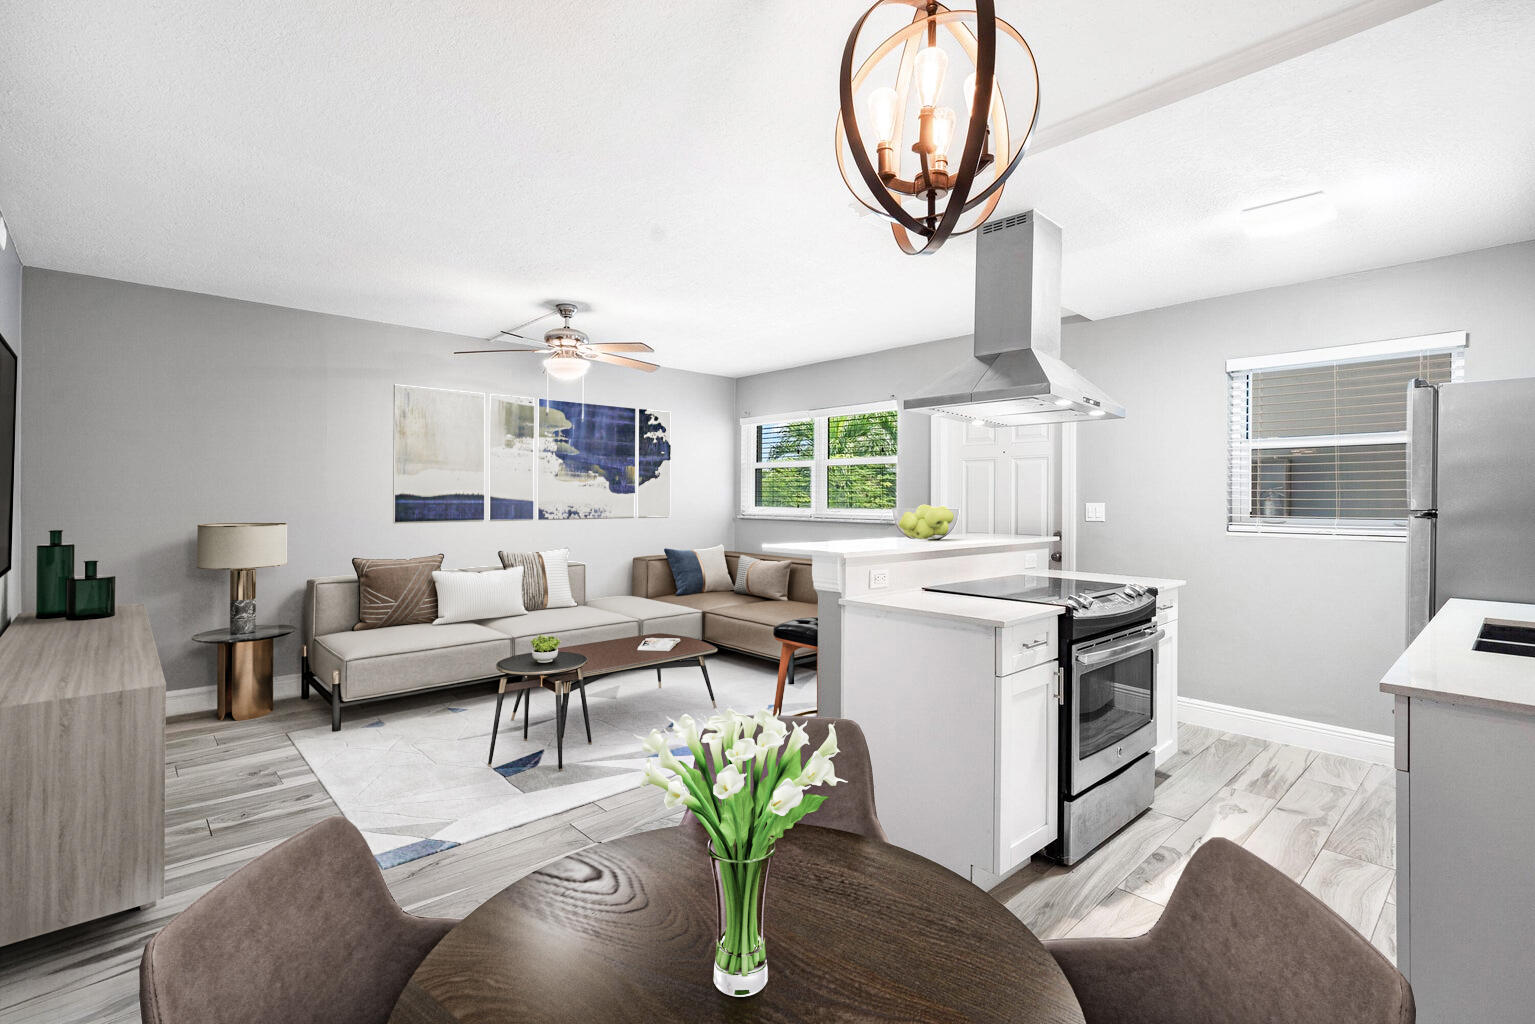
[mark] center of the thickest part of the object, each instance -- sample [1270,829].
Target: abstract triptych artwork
[462,455]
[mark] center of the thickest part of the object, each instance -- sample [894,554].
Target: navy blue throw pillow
[686,572]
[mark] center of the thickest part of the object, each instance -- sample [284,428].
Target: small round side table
[536,674]
[245,669]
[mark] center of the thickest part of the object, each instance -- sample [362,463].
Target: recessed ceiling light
[1288,216]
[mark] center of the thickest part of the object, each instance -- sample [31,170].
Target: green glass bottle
[55,566]
[93,597]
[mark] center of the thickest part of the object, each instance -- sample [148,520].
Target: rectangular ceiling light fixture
[1288,216]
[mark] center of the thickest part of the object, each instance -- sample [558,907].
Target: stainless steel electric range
[1108,645]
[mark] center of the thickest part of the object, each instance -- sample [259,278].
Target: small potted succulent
[545,649]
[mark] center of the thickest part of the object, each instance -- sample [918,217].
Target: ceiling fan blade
[502,351]
[620,346]
[633,364]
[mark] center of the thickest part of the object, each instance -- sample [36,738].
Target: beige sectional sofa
[352,666]
[735,621]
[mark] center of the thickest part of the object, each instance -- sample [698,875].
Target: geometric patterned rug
[416,782]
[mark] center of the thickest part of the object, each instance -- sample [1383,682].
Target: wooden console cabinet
[82,771]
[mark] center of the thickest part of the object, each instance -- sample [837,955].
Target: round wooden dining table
[857,930]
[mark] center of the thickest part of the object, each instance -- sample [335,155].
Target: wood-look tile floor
[236,789]
[1328,822]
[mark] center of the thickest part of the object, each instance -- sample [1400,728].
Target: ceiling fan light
[566,367]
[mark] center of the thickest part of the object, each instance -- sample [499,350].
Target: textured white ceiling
[453,165]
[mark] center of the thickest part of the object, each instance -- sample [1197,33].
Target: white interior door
[1001,479]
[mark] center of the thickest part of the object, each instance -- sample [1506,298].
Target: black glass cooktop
[1038,589]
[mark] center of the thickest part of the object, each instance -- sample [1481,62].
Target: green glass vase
[55,567]
[94,597]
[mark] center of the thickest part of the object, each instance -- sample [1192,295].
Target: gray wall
[155,410]
[1299,626]
[10,328]
[899,372]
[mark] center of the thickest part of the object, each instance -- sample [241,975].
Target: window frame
[818,464]
[1239,430]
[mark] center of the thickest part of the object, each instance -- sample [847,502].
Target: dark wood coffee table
[608,656]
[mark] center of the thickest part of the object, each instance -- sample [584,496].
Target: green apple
[942,528]
[924,529]
[908,522]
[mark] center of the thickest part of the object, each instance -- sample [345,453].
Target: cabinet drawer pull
[1164,607]
[1036,643]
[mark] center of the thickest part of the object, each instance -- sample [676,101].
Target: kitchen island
[1465,815]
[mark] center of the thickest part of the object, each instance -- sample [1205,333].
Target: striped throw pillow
[557,592]
[534,591]
[395,591]
[470,596]
[763,577]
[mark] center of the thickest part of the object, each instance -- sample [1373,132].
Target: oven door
[1111,705]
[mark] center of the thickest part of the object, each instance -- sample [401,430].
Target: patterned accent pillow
[763,577]
[534,589]
[699,571]
[395,591]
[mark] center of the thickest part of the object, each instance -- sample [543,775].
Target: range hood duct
[1016,375]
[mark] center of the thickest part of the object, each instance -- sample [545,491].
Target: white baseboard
[205,698]
[1374,747]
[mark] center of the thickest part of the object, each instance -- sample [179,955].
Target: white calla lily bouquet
[746,786]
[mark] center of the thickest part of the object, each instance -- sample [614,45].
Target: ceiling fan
[568,352]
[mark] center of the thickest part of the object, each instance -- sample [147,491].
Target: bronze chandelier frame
[935,180]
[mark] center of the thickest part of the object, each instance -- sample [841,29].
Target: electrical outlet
[1097,512]
[879,579]
[1030,560]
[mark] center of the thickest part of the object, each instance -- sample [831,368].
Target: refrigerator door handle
[1420,571]
[1422,448]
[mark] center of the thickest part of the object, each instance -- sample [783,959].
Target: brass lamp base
[245,679]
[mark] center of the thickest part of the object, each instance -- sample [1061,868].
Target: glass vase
[740,892]
[55,567]
[94,597]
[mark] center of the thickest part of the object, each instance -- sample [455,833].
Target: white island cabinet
[959,699]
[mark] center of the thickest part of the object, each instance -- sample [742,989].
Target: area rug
[415,780]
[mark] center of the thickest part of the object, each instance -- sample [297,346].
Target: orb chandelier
[957,177]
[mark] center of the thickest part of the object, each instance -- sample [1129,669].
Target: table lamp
[242,548]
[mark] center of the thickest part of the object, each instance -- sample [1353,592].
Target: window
[1318,440]
[832,464]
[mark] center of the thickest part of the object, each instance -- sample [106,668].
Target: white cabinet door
[1028,768]
[1167,692]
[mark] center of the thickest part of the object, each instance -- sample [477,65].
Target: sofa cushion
[582,624]
[396,591]
[707,602]
[767,613]
[396,659]
[655,616]
[749,627]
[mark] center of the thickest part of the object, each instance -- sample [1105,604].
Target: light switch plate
[1097,512]
[879,579]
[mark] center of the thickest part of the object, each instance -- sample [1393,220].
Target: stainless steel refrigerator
[1471,494]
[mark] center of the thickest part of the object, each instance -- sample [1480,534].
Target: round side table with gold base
[245,670]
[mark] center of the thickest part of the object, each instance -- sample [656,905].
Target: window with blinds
[833,464]
[1318,440]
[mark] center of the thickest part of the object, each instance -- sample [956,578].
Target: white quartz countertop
[1441,665]
[983,611]
[1114,577]
[897,547]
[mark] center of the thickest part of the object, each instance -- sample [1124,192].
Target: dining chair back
[1239,943]
[850,804]
[307,933]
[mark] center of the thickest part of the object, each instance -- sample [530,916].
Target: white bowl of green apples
[926,522]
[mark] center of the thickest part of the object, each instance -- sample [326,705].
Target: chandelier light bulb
[882,105]
[929,67]
[565,368]
[943,132]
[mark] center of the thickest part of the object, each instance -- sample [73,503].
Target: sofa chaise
[352,666]
[739,622]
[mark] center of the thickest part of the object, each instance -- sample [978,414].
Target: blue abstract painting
[653,465]
[512,447]
[439,454]
[586,461]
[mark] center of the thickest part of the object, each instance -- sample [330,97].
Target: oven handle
[1145,642]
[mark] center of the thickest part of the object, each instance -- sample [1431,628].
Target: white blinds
[1319,445]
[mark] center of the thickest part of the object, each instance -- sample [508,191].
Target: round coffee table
[531,676]
[857,930]
[245,669]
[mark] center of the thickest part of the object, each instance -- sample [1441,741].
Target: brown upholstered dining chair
[1239,943]
[851,804]
[307,933]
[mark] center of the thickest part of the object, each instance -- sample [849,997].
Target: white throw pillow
[469,596]
[557,578]
[711,562]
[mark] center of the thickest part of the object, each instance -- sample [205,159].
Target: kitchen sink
[1504,636]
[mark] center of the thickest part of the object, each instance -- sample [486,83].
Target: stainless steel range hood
[1016,375]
